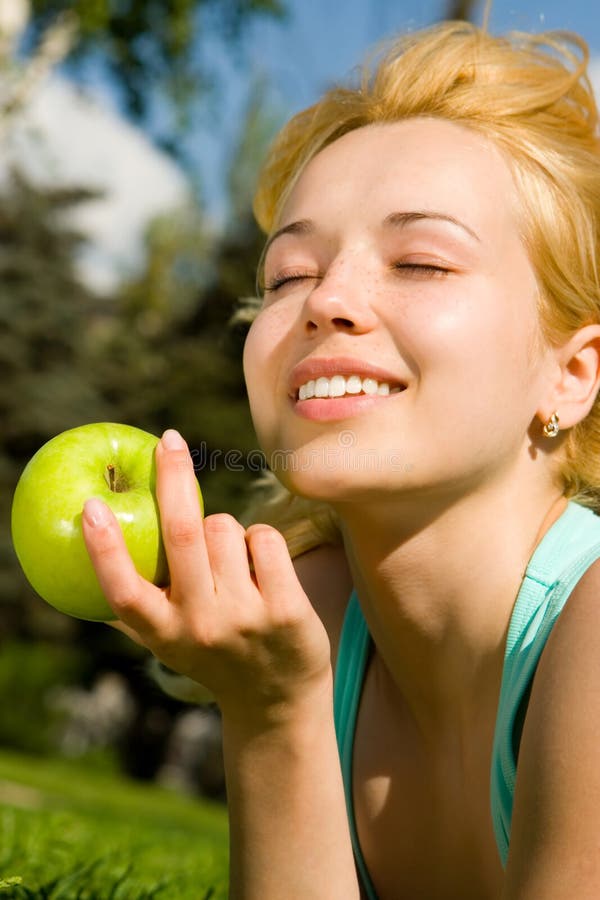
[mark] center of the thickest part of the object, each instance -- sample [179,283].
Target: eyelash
[422,269]
[279,280]
[418,269]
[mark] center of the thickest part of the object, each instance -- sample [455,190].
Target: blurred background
[130,137]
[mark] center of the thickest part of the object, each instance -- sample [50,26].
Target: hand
[234,618]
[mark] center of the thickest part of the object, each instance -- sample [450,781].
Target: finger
[273,568]
[228,554]
[181,519]
[139,604]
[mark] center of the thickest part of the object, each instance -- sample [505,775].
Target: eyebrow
[401,219]
[393,220]
[302,226]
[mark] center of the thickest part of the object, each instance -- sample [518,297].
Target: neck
[437,581]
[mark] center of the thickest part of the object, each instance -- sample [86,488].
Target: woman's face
[398,262]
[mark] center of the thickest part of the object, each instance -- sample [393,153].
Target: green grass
[68,833]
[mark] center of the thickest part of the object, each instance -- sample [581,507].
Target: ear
[578,381]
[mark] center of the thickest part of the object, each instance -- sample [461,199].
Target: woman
[422,374]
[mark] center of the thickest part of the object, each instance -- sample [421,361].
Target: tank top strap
[352,659]
[565,552]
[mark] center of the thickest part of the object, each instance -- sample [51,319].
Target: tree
[166,354]
[150,47]
[45,314]
[158,354]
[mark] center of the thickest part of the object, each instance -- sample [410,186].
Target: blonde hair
[530,94]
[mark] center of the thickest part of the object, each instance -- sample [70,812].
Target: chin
[320,488]
[344,485]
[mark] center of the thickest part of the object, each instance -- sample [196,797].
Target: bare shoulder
[325,577]
[556,817]
[585,597]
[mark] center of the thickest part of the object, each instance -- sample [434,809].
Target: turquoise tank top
[565,552]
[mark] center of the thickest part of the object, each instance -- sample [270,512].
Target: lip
[336,409]
[326,367]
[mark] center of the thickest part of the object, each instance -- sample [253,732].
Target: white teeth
[322,387]
[307,391]
[339,385]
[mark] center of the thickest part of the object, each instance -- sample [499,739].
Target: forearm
[288,825]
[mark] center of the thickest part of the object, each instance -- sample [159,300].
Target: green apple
[106,460]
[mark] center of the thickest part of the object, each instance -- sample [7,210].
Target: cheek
[476,346]
[254,375]
[258,351]
[249,356]
[263,364]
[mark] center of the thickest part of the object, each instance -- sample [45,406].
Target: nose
[339,305]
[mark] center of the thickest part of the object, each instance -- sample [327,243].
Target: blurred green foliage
[46,385]
[159,353]
[29,671]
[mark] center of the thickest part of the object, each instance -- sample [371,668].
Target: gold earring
[551,428]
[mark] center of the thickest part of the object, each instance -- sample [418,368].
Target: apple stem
[115,479]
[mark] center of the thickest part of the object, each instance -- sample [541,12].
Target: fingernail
[172,440]
[96,512]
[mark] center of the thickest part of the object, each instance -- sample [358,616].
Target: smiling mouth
[345,386]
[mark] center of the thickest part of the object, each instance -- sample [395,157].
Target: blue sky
[322,40]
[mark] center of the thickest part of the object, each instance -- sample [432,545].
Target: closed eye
[421,270]
[278,281]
